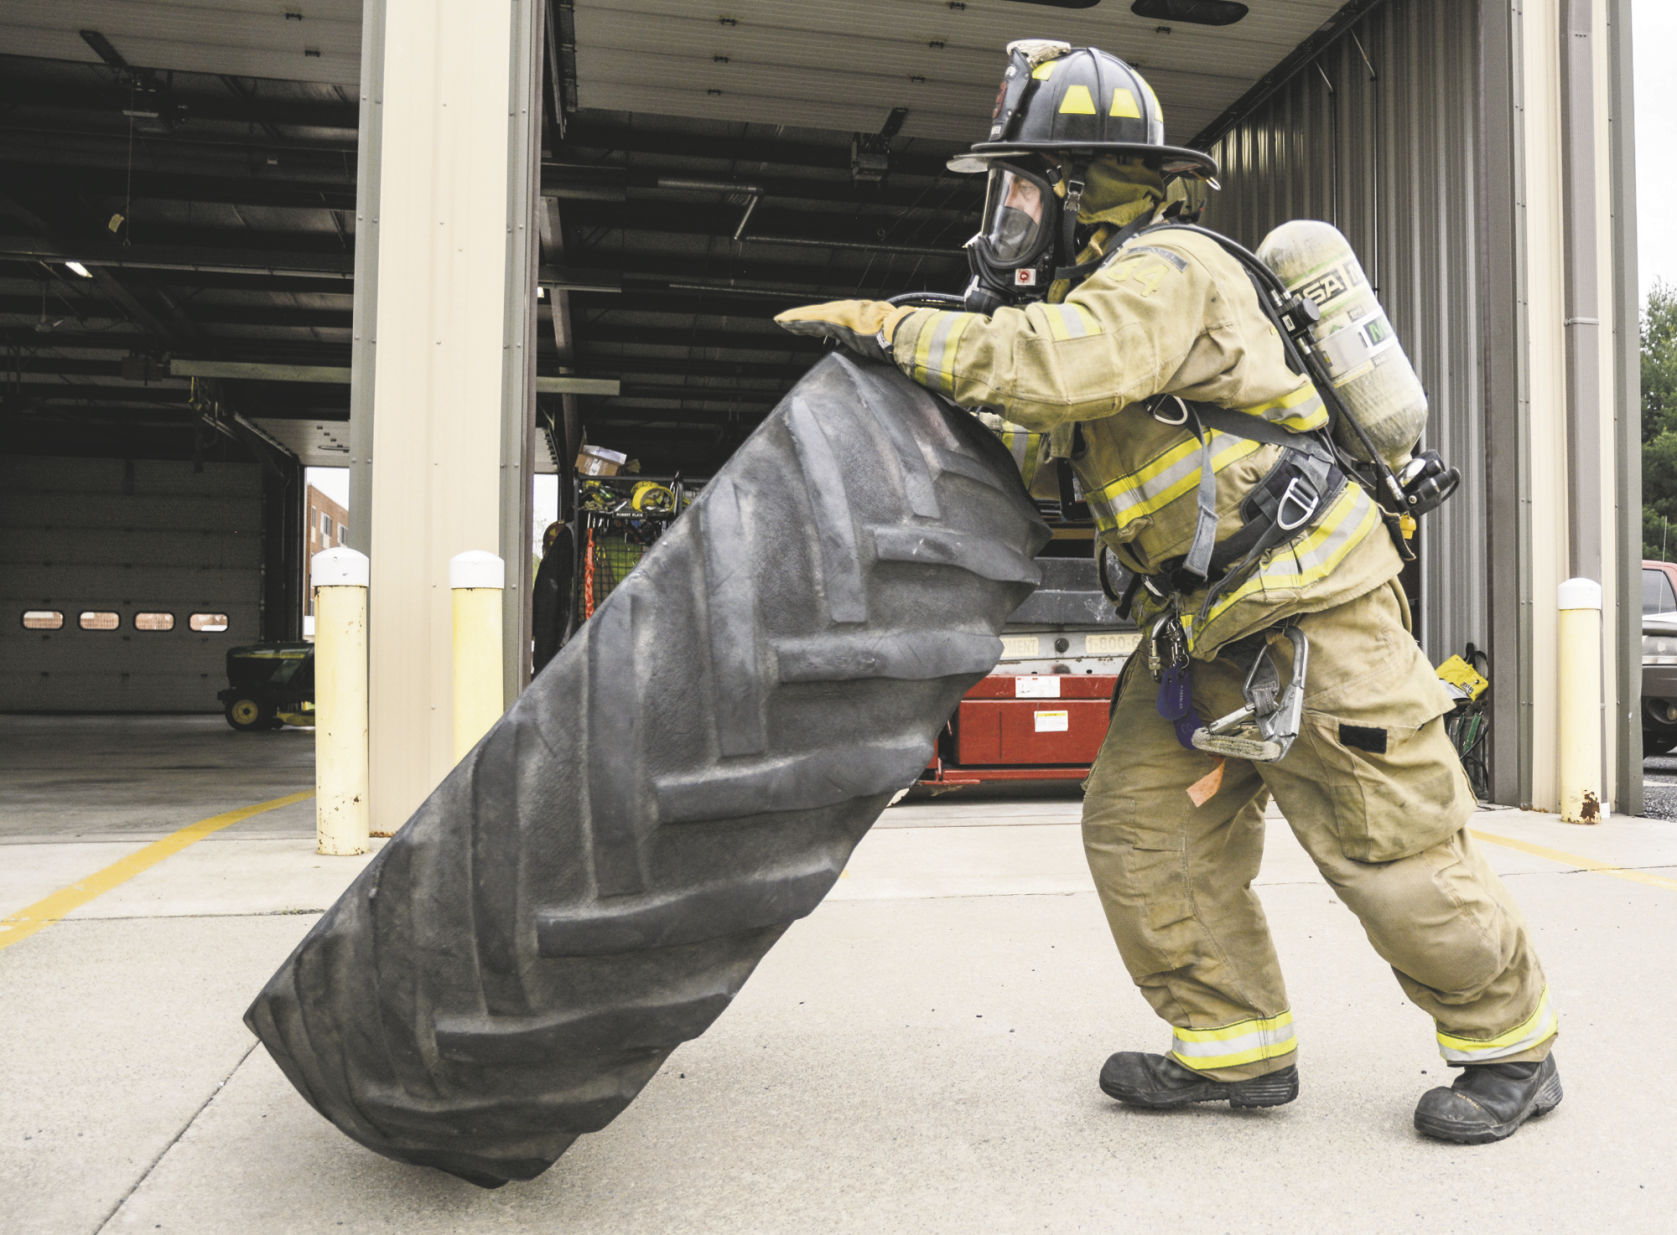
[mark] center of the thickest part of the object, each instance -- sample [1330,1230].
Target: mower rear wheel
[247,715]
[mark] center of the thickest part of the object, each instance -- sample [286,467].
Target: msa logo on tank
[1325,288]
[1363,331]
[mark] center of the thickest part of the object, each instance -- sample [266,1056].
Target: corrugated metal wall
[1379,135]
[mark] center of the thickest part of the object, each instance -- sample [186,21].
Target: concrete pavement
[919,1054]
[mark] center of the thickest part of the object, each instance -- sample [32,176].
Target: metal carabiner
[1181,406]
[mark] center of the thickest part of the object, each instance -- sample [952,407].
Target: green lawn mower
[269,685]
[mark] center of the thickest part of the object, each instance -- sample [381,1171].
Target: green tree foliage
[1659,422]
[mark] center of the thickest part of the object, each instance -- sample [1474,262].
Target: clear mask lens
[1013,216]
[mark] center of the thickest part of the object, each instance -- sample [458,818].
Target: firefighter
[550,594]
[1141,353]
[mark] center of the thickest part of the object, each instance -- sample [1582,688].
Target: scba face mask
[1014,253]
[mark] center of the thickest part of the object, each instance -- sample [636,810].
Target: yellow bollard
[477,579]
[341,817]
[1578,699]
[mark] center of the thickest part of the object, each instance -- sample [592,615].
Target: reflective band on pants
[1535,1029]
[1232,1045]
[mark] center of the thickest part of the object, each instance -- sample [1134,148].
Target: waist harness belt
[1303,484]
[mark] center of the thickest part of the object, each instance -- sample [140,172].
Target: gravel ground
[1659,787]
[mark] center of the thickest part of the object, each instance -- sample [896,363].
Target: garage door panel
[197,588]
[44,474]
[106,536]
[208,546]
[108,650]
[105,513]
[131,690]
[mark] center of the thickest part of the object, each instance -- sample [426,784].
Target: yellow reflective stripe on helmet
[1310,560]
[1124,104]
[1077,102]
[1158,112]
[1164,479]
[1044,70]
[1535,1029]
[1301,411]
[1069,321]
[1243,1042]
[934,350]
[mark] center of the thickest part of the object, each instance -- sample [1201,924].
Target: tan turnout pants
[1376,795]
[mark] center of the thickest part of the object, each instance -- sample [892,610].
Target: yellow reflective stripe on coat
[1301,411]
[1232,1045]
[934,350]
[1069,321]
[1535,1029]
[1163,479]
[1309,560]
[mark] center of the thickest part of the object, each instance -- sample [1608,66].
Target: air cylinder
[1366,362]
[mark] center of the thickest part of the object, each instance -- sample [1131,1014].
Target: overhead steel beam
[588,134]
[207,260]
[240,187]
[567,385]
[256,371]
[207,105]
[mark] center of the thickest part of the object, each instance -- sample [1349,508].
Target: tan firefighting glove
[863,326]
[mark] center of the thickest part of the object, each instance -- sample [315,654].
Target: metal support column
[1626,781]
[452,397]
[368,147]
[1504,344]
[518,398]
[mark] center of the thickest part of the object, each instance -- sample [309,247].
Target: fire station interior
[177,235]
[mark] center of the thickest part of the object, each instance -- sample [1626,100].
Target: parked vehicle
[269,685]
[1659,657]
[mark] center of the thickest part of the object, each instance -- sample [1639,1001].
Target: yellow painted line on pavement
[1573,859]
[43,913]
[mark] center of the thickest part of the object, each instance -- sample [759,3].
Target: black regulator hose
[929,300]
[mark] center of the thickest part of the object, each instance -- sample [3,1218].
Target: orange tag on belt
[1206,787]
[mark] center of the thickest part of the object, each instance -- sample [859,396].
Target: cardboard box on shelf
[598,461]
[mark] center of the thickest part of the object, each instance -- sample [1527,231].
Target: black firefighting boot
[1159,1083]
[1488,1101]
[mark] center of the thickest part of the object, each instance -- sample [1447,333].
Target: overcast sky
[1654,31]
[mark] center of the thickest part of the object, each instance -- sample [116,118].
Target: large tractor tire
[597,878]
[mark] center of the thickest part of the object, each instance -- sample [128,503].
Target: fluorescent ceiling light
[77,268]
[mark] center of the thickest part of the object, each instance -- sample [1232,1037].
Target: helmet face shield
[1015,210]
